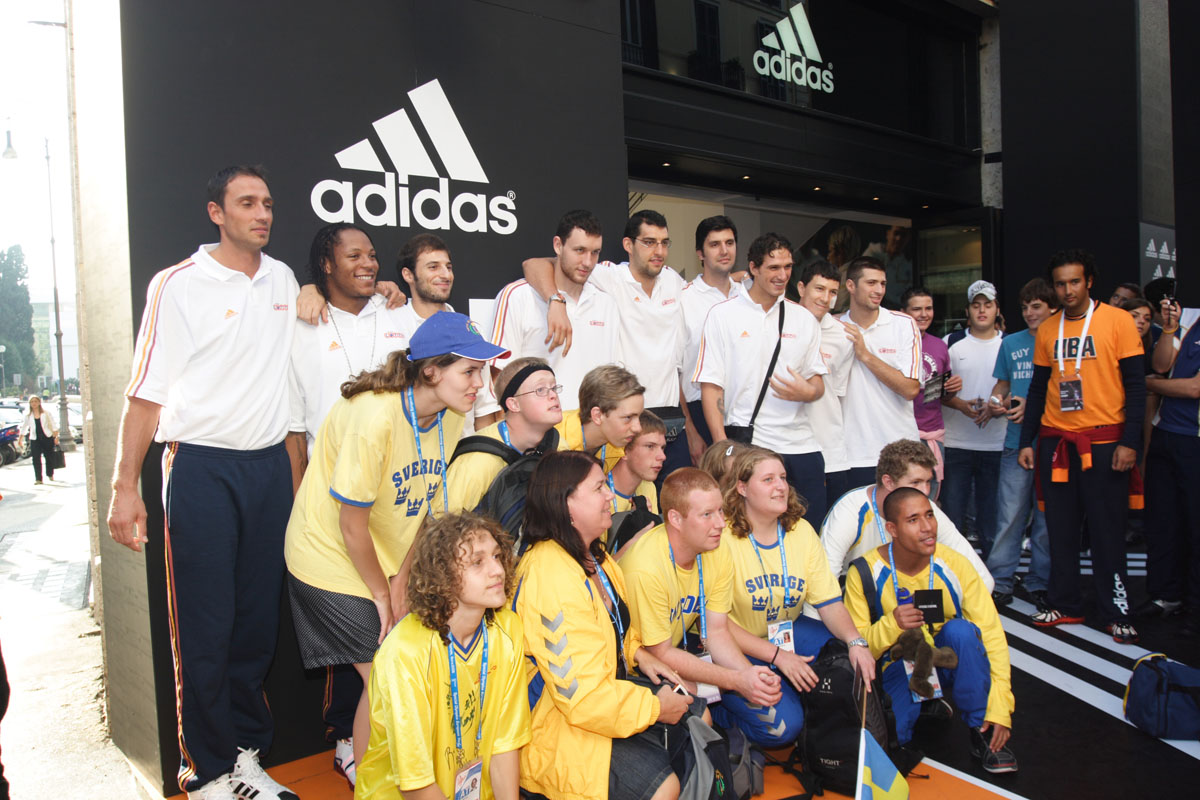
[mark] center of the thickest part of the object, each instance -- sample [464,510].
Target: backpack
[504,499]
[1163,698]
[747,763]
[704,763]
[828,743]
[626,524]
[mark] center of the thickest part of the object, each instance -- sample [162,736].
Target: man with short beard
[424,264]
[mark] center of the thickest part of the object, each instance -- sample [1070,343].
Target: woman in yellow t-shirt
[434,715]
[375,474]
[779,565]
[582,647]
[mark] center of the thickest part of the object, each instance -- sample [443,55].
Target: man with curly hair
[448,694]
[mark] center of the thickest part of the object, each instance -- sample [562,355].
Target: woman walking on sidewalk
[42,431]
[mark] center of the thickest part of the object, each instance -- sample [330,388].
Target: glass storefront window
[950,259]
[886,63]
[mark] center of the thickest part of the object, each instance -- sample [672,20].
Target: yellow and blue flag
[878,778]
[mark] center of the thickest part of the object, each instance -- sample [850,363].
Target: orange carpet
[313,778]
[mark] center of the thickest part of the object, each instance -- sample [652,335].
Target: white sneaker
[216,789]
[251,782]
[343,759]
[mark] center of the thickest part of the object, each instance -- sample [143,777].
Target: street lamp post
[3,376]
[67,442]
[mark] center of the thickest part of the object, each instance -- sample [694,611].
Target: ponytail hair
[397,374]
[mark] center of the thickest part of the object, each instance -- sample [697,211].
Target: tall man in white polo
[210,379]
[652,335]
[522,308]
[886,374]
[739,338]
[818,287]
[716,247]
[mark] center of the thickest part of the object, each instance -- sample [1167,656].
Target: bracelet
[557,296]
[774,656]
[1168,332]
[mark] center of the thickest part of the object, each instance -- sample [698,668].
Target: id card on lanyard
[468,781]
[706,690]
[1070,390]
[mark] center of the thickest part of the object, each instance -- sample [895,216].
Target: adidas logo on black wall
[796,58]
[390,203]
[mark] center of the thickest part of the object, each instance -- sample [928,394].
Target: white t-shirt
[849,531]
[651,332]
[697,300]
[973,360]
[735,349]
[825,415]
[875,415]
[326,355]
[213,350]
[409,320]
[520,325]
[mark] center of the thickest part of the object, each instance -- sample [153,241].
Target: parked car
[10,426]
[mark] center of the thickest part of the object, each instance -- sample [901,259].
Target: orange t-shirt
[1111,337]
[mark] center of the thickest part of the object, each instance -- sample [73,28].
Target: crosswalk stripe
[1087,634]
[1073,654]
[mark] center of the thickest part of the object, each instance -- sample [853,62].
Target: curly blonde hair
[740,471]
[435,581]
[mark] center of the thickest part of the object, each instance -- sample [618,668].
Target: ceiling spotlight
[816,188]
[925,206]
[874,198]
[745,177]
[666,163]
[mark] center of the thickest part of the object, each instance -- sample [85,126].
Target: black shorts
[639,766]
[332,628]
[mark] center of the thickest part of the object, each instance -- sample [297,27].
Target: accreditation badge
[780,635]
[468,782]
[1070,395]
[706,690]
[934,681]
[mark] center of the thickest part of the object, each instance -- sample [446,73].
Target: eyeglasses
[542,391]
[651,244]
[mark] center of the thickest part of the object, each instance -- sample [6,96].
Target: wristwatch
[559,296]
[859,642]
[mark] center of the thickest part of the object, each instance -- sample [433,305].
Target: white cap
[981,288]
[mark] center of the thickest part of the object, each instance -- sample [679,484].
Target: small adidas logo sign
[797,57]
[744,335]
[430,208]
[334,346]
[229,312]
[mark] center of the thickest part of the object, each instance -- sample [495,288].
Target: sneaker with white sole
[216,789]
[1122,632]
[251,782]
[343,760]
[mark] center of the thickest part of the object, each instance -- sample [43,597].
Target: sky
[33,106]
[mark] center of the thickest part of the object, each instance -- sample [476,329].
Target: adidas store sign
[796,57]
[393,202]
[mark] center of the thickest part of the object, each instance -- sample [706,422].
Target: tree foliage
[16,318]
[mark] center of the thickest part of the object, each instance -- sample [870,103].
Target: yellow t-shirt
[365,454]
[412,723]
[758,591]
[469,477]
[570,437]
[644,489]
[664,600]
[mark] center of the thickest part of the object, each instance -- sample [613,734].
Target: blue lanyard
[412,418]
[703,604]
[783,561]
[503,431]
[603,448]
[883,537]
[615,612]
[896,578]
[608,477]
[454,687]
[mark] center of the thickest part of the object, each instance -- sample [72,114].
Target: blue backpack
[1163,698]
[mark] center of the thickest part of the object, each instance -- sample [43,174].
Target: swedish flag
[878,778]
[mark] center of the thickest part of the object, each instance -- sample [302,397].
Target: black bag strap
[868,584]
[762,393]
[484,444]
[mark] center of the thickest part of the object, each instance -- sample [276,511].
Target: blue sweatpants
[226,514]
[777,725]
[967,685]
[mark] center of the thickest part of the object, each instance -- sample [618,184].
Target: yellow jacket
[570,647]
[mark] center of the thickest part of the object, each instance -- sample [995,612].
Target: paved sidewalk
[54,739]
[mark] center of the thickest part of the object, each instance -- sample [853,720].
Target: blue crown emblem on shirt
[402,495]
[414,506]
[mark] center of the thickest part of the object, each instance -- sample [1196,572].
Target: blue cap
[449,333]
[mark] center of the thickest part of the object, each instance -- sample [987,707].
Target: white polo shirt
[697,299]
[973,360]
[825,415]
[735,349]
[213,351]
[520,325]
[326,355]
[409,320]
[849,531]
[652,334]
[874,415]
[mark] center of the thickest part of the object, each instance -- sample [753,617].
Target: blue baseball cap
[455,334]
